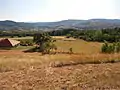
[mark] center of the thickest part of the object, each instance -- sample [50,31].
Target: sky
[56,10]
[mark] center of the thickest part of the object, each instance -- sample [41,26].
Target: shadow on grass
[72,63]
[5,48]
[32,50]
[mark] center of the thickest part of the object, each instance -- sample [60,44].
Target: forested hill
[79,24]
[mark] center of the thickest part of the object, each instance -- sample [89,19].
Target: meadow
[78,45]
[83,51]
[87,69]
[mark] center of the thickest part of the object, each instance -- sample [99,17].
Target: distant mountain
[79,24]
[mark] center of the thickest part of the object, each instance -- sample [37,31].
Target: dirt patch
[85,77]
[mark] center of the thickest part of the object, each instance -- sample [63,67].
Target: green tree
[45,42]
[118,47]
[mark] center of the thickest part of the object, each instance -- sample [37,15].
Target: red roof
[8,42]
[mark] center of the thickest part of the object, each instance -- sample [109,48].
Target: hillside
[31,71]
[79,24]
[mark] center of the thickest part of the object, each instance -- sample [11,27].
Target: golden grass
[86,52]
[19,38]
[85,59]
[79,46]
[19,70]
[58,37]
[17,59]
[30,37]
[23,71]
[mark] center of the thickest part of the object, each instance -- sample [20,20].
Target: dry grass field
[17,38]
[33,71]
[79,46]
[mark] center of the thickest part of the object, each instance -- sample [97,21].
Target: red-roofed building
[8,42]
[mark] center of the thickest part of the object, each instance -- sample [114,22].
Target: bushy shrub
[68,35]
[26,42]
[105,47]
[118,47]
[71,50]
[111,48]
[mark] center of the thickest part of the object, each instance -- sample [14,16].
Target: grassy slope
[79,46]
[23,71]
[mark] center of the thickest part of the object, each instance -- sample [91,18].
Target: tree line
[110,35]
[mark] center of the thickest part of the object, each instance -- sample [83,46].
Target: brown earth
[31,71]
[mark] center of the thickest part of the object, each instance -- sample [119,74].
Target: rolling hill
[79,24]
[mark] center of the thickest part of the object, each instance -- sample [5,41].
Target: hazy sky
[55,10]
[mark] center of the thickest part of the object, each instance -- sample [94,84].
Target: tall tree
[45,42]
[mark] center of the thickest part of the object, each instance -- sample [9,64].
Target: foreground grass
[15,59]
[87,70]
[23,71]
[89,59]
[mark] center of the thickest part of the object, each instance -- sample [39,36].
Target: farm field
[33,71]
[78,46]
[23,71]
[17,38]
